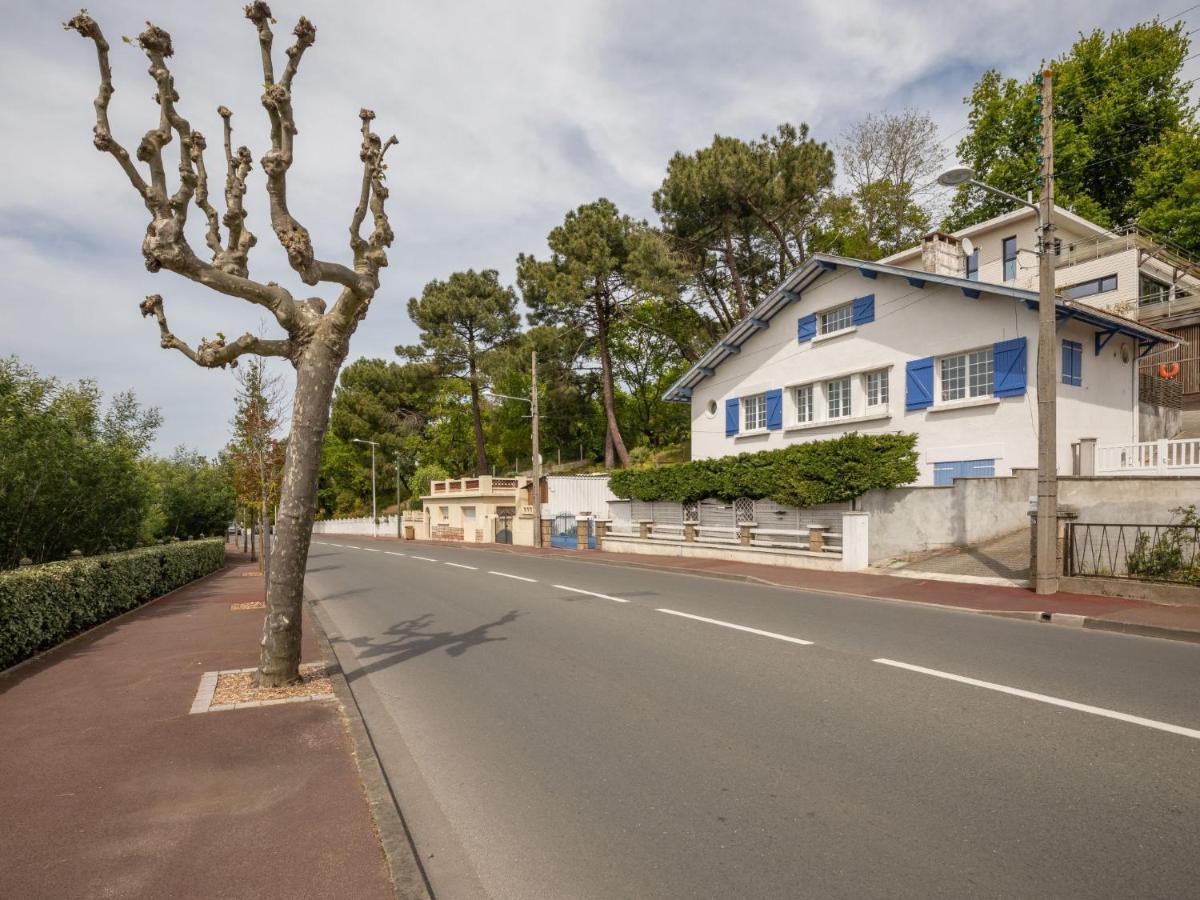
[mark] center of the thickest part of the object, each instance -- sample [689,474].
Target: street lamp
[374,516]
[1045,572]
[532,400]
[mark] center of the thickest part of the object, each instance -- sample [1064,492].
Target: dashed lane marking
[1044,698]
[746,628]
[563,587]
[424,558]
[461,566]
[394,553]
[515,577]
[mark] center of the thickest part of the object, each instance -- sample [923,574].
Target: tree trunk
[738,289]
[481,462]
[610,409]
[316,375]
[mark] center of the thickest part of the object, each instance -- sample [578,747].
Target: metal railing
[1168,553]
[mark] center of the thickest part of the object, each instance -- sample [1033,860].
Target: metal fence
[1145,552]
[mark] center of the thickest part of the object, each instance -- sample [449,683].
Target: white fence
[363,526]
[1167,457]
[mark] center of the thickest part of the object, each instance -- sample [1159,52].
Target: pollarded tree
[316,341]
[463,319]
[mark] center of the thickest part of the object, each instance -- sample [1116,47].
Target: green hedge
[41,606]
[800,475]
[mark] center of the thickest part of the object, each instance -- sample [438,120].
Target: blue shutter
[1008,372]
[806,327]
[864,309]
[775,409]
[732,409]
[918,388]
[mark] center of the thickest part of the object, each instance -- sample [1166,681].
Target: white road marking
[770,634]
[373,549]
[563,587]
[517,577]
[461,566]
[425,558]
[394,553]
[1044,698]
[351,547]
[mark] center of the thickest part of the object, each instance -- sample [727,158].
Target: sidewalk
[1104,613]
[112,789]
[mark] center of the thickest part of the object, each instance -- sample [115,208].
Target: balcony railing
[482,485]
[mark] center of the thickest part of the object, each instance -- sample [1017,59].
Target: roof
[1108,324]
[1059,213]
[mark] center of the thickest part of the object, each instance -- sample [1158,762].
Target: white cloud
[508,114]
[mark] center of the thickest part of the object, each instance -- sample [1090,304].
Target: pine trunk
[316,375]
[610,408]
[481,462]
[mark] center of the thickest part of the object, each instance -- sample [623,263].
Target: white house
[846,345]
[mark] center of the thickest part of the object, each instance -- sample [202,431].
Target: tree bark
[738,289]
[481,461]
[610,409]
[316,375]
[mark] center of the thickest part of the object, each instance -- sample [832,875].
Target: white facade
[967,429]
[582,496]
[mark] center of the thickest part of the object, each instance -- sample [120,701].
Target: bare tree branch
[235,259]
[102,132]
[212,354]
[212,235]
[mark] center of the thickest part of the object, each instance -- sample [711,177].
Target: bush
[810,474]
[41,606]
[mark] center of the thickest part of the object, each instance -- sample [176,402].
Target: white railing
[361,526]
[1166,457]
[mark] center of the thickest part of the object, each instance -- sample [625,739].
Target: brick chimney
[940,255]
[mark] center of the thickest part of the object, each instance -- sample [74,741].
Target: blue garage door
[944,473]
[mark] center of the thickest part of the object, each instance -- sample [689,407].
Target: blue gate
[563,533]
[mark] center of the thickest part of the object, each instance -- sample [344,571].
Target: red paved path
[111,789]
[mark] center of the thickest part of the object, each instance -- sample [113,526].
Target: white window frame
[755,404]
[837,319]
[845,395]
[881,378]
[978,376]
[806,411]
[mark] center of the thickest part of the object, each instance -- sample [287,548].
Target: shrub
[800,475]
[1174,556]
[41,606]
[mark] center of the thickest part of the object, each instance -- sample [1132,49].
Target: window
[754,412]
[837,397]
[712,408]
[805,411]
[966,376]
[445,511]
[1010,258]
[1072,363]
[837,319]
[1095,286]
[973,266]
[877,388]
[944,473]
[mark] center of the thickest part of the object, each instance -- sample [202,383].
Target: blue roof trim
[817,265]
[868,273]
[973,293]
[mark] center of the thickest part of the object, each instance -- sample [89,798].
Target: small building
[847,345]
[478,510]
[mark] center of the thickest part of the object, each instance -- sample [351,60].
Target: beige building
[478,509]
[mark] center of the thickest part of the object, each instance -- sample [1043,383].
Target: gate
[562,533]
[504,518]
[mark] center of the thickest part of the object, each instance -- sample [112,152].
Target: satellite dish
[967,247]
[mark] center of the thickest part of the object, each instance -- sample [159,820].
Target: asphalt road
[630,742]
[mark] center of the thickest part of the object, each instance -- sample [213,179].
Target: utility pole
[398,534]
[537,458]
[1046,575]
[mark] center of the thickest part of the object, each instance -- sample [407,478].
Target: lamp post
[374,516]
[1046,565]
[536,462]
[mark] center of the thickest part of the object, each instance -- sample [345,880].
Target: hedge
[832,471]
[41,606]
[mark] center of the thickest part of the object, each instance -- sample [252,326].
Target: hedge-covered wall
[832,471]
[41,606]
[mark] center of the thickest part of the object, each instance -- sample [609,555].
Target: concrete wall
[1157,423]
[911,323]
[363,526]
[913,520]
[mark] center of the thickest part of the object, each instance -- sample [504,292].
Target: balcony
[480,486]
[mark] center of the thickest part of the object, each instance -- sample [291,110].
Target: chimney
[940,255]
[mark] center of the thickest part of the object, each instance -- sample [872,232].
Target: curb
[1069,619]
[409,880]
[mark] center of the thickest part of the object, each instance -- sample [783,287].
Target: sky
[508,114]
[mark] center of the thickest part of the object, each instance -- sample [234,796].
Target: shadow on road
[412,638]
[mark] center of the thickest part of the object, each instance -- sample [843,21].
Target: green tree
[739,215]
[1167,192]
[1115,95]
[70,473]
[462,319]
[191,495]
[602,264]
